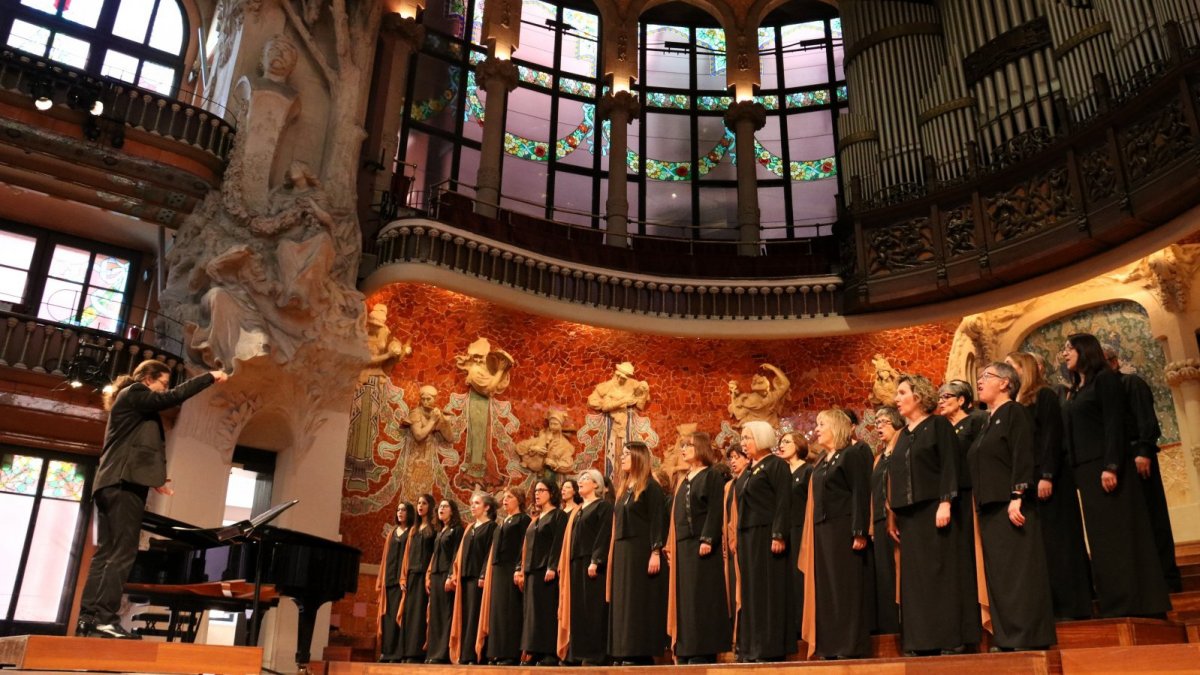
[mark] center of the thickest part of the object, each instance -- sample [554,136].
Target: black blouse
[967,430]
[1094,419]
[696,507]
[1001,460]
[800,479]
[508,540]
[841,486]
[592,532]
[879,479]
[642,517]
[476,542]
[924,464]
[766,497]
[1047,433]
[445,547]
[544,543]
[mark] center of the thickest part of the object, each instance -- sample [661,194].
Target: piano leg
[304,628]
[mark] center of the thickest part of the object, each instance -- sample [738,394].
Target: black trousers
[119,510]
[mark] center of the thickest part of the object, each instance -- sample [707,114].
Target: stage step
[1124,632]
[1122,660]
[49,652]
[1184,606]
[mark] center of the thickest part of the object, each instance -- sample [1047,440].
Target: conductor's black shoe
[84,626]
[114,631]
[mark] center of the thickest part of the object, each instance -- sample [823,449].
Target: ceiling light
[43,103]
[97,108]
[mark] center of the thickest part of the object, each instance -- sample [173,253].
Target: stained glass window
[138,41]
[64,480]
[85,289]
[16,256]
[19,474]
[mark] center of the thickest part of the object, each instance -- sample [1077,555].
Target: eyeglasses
[541,489]
[986,375]
[625,453]
[946,397]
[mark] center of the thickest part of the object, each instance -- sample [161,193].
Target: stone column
[401,37]
[1184,379]
[620,108]
[497,77]
[744,118]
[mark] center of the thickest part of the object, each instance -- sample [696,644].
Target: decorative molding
[1187,370]
[1025,39]
[405,30]
[743,111]
[901,246]
[1153,143]
[944,108]
[1040,203]
[1068,45]
[859,137]
[497,73]
[888,34]
[619,100]
[959,226]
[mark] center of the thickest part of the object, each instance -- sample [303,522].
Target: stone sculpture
[487,369]
[763,402]
[429,428]
[617,398]
[549,449]
[883,389]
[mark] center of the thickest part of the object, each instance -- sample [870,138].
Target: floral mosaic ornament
[63,481]
[19,474]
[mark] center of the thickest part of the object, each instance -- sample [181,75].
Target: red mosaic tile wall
[558,363]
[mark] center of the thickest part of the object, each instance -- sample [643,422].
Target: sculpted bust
[764,400]
[549,448]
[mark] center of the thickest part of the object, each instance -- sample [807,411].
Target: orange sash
[729,549]
[608,568]
[456,615]
[985,603]
[673,561]
[381,583]
[485,606]
[564,587]
[807,562]
[404,573]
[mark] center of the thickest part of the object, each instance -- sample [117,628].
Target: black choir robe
[506,605]
[1001,462]
[638,611]
[590,538]
[543,547]
[1126,568]
[468,598]
[765,628]
[701,607]
[390,595]
[967,430]
[441,601]
[413,626]
[887,612]
[800,479]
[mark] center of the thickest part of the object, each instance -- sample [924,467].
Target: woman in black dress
[736,458]
[922,486]
[1014,559]
[888,423]
[467,578]
[437,582]
[1057,499]
[503,600]
[538,575]
[570,498]
[840,600]
[583,605]
[765,631]
[388,584]
[793,449]
[956,401]
[699,624]
[637,617]
[1125,564]
[415,611]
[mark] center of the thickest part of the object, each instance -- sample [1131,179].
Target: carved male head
[428,395]
[555,419]
[279,58]
[624,371]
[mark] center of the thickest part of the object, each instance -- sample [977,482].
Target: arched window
[137,41]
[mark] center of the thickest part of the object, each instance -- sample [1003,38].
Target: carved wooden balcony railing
[89,356]
[1046,202]
[125,106]
[423,241]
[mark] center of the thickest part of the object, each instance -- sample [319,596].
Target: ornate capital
[621,100]
[1187,370]
[752,111]
[406,31]
[498,73]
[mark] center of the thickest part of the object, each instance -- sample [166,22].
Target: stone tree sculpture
[617,398]
[374,390]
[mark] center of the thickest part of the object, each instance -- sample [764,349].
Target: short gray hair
[1007,372]
[596,479]
[763,433]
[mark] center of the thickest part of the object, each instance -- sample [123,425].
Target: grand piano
[229,568]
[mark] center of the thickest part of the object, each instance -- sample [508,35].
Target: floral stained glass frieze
[19,474]
[64,481]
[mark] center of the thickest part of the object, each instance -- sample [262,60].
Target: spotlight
[75,384]
[42,90]
[82,98]
[97,108]
[43,103]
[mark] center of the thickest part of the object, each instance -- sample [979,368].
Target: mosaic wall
[557,365]
[1126,326]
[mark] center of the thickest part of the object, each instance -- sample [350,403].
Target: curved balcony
[1042,203]
[146,155]
[423,250]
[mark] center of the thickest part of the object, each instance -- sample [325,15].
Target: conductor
[133,461]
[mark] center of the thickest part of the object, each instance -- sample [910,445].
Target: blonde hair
[150,369]
[923,390]
[838,423]
[1031,376]
[639,469]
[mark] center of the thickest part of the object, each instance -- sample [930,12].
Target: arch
[760,9]
[722,12]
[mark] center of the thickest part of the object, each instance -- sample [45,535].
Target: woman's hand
[859,543]
[165,489]
[655,564]
[893,530]
[550,575]
[705,549]
[592,570]
[778,546]
[943,515]
[427,585]
[1108,481]
[1014,512]
[450,585]
[1045,489]
[480,582]
[519,580]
